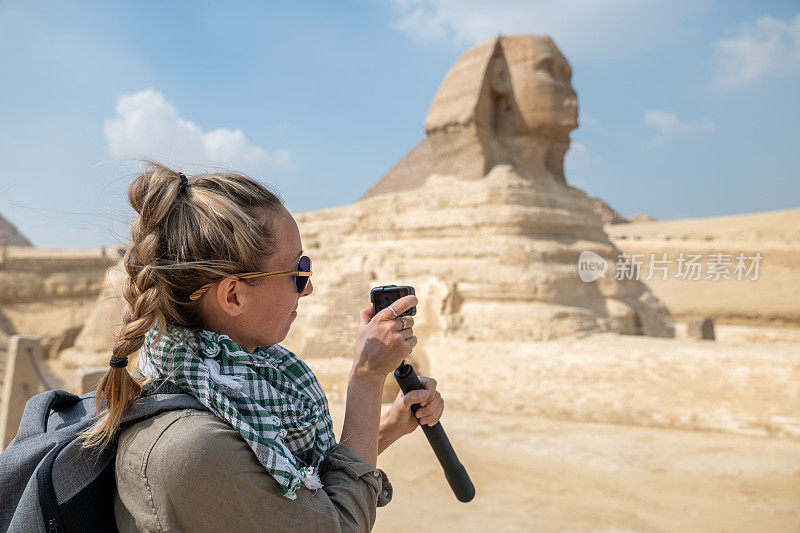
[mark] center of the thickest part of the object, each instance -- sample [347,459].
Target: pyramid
[10,235]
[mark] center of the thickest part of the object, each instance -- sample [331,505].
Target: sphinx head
[540,81]
[506,101]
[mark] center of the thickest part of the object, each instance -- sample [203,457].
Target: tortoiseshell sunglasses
[301,276]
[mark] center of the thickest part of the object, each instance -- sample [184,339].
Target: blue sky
[687,108]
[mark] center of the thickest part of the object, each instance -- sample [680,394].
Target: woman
[215,271]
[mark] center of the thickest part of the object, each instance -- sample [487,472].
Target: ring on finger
[392,310]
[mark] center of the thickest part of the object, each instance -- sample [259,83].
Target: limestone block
[63,340]
[89,376]
[95,340]
[700,328]
[101,328]
[23,379]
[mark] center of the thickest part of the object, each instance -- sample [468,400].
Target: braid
[142,292]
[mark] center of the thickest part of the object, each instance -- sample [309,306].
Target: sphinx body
[480,218]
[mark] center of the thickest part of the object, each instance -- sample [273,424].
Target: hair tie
[118,362]
[184,181]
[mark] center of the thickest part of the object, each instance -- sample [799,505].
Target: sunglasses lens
[303,266]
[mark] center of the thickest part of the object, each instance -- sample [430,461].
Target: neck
[539,158]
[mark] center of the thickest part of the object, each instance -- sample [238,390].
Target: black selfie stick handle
[454,471]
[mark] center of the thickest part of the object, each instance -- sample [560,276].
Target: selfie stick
[454,471]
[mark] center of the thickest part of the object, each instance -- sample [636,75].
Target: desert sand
[772,299]
[613,433]
[534,474]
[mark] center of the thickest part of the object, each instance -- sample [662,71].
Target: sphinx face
[541,83]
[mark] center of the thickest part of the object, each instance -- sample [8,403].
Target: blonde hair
[187,232]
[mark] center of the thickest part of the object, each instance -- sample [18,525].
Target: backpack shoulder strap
[158,397]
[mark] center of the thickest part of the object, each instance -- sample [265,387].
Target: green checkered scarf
[269,396]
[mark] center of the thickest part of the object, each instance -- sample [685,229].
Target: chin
[279,338]
[268,341]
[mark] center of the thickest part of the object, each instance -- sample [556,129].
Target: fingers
[414,396]
[400,306]
[365,315]
[404,322]
[410,343]
[426,397]
[430,386]
[382,341]
[431,403]
[432,412]
[432,407]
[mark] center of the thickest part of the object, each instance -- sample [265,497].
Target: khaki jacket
[188,470]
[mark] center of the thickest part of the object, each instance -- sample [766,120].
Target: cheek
[281,308]
[275,309]
[265,313]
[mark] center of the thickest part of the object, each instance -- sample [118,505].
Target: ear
[229,296]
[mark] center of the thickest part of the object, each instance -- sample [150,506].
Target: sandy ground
[533,474]
[611,433]
[780,226]
[738,334]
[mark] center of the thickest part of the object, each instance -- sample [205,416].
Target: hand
[383,341]
[400,420]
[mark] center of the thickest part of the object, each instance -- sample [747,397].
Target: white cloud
[147,125]
[612,28]
[420,23]
[669,125]
[764,48]
[588,121]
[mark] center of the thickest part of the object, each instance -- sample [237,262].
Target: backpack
[49,482]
